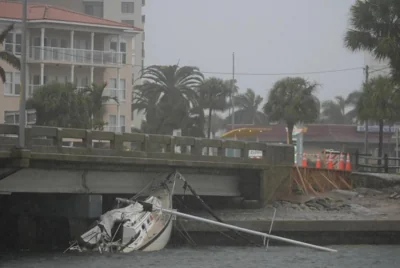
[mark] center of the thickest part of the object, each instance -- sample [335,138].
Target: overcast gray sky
[267,36]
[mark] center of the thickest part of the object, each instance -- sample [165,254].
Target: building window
[122,88]
[94,9]
[122,122]
[143,18]
[112,122]
[115,92]
[12,86]
[144,36]
[122,49]
[18,44]
[127,7]
[12,117]
[9,43]
[12,43]
[130,22]
[143,2]
[89,9]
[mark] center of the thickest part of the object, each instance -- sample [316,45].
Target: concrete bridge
[106,163]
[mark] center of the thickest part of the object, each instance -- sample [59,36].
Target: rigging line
[214,72]
[207,208]
[215,228]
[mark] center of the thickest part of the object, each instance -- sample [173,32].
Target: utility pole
[232,91]
[22,100]
[366,69]
[232,99]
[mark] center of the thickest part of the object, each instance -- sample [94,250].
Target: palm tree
[292,100]
[352,101]
[169,92]
[217,123]
[213,95]
[375,28]
[248,113]
[7,56]
[96,103]
[60,105]
[379,101]
[194,123]
[336,111]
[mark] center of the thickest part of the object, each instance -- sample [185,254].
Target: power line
[377,70]
[294,73]
[224,73]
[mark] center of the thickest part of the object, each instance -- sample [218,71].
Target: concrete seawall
[329,232]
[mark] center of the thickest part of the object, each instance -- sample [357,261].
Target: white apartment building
[67,46]
[125,11]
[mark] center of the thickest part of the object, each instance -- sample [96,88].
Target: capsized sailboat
[133,225]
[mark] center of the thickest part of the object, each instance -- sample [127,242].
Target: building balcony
[76,56]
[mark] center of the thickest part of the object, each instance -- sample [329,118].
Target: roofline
[126,29]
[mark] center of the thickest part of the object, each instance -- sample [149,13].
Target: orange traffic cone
[318,163]
[341,162]
[330,161]
[348,164]
[304,160]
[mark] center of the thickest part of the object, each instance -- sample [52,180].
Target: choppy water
[226,257]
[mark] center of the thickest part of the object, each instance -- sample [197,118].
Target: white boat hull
[133,227]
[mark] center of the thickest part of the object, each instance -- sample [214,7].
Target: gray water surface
[225,257]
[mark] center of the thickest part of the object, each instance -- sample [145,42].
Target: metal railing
[369,163]
[59,54]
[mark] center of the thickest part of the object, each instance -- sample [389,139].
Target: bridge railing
[89,142]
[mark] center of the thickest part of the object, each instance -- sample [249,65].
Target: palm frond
[2,75]
[5,32]
[10,59]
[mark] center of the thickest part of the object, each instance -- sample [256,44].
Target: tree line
[173,97]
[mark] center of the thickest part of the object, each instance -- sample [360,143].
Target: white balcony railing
[59,54]
[120,94]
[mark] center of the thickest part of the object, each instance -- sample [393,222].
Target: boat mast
[229,226]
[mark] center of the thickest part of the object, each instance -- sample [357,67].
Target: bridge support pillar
[274,181]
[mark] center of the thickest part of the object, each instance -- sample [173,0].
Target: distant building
[125,11]
[67,46]
[318,137]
